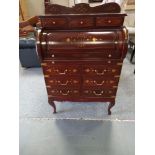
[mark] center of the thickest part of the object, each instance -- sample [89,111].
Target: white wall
[36,7]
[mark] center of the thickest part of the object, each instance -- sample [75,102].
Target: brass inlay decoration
[87,81]
[94,39]
[109,62]
[74,70]
[87,70]
[52,55]
[46,76]
[43,43]
[81,22]
[116,42]
[48,86]
[49,70]
[114,86]
[75,81]
[86,91]
[119,64]
[113,70]
[43,64]
[113,96]
[53,62]
[111,81]
[75,91]
[109,21]
[52,91]
[126,33]
[109,55]
[68,39]
[54,22]
[117,76]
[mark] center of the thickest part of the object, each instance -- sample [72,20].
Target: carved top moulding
[81,8]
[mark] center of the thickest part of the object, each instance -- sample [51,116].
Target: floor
[77,129]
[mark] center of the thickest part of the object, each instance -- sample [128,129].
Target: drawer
[63,92]
[99,93]
[61,82]
[100,54]
[101,82]
[81,22]
[61,70]
[109,21]
[101,70]
[54,22]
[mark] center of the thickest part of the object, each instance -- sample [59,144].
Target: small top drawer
[109,21]
[81,22]
[54,22]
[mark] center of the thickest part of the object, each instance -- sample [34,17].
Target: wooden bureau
[82,53]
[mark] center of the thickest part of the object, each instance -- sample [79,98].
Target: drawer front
[99,93]
[109,21]
[101,70]
[61,70]
[61,82]
[103,63]
[81,22]
[54,22]
[54,55]
[100,82]
[63,92]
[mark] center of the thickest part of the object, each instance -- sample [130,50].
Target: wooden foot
[54,107]
[110,106]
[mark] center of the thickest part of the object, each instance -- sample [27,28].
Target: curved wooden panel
[81,8]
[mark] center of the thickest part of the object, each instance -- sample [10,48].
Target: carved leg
[110,106]
[54,107]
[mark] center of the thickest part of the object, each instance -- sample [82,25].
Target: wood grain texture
[81,8]
[82,54]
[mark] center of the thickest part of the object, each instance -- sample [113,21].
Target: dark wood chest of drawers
[82,55]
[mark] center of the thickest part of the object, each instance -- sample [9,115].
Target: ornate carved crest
[81,8]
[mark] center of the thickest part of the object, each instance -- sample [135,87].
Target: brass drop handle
[99,84]
[64,93]
[98,94]
[96,71]
[62,73]
[63,84]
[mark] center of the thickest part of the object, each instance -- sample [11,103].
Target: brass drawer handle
[99,84]
[102,73]
[61,73]
[64,93]
[63,84]
[98,94]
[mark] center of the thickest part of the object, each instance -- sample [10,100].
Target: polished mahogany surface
[82,54]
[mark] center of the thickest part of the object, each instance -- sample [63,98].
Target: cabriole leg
[110,106]
[54,107]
